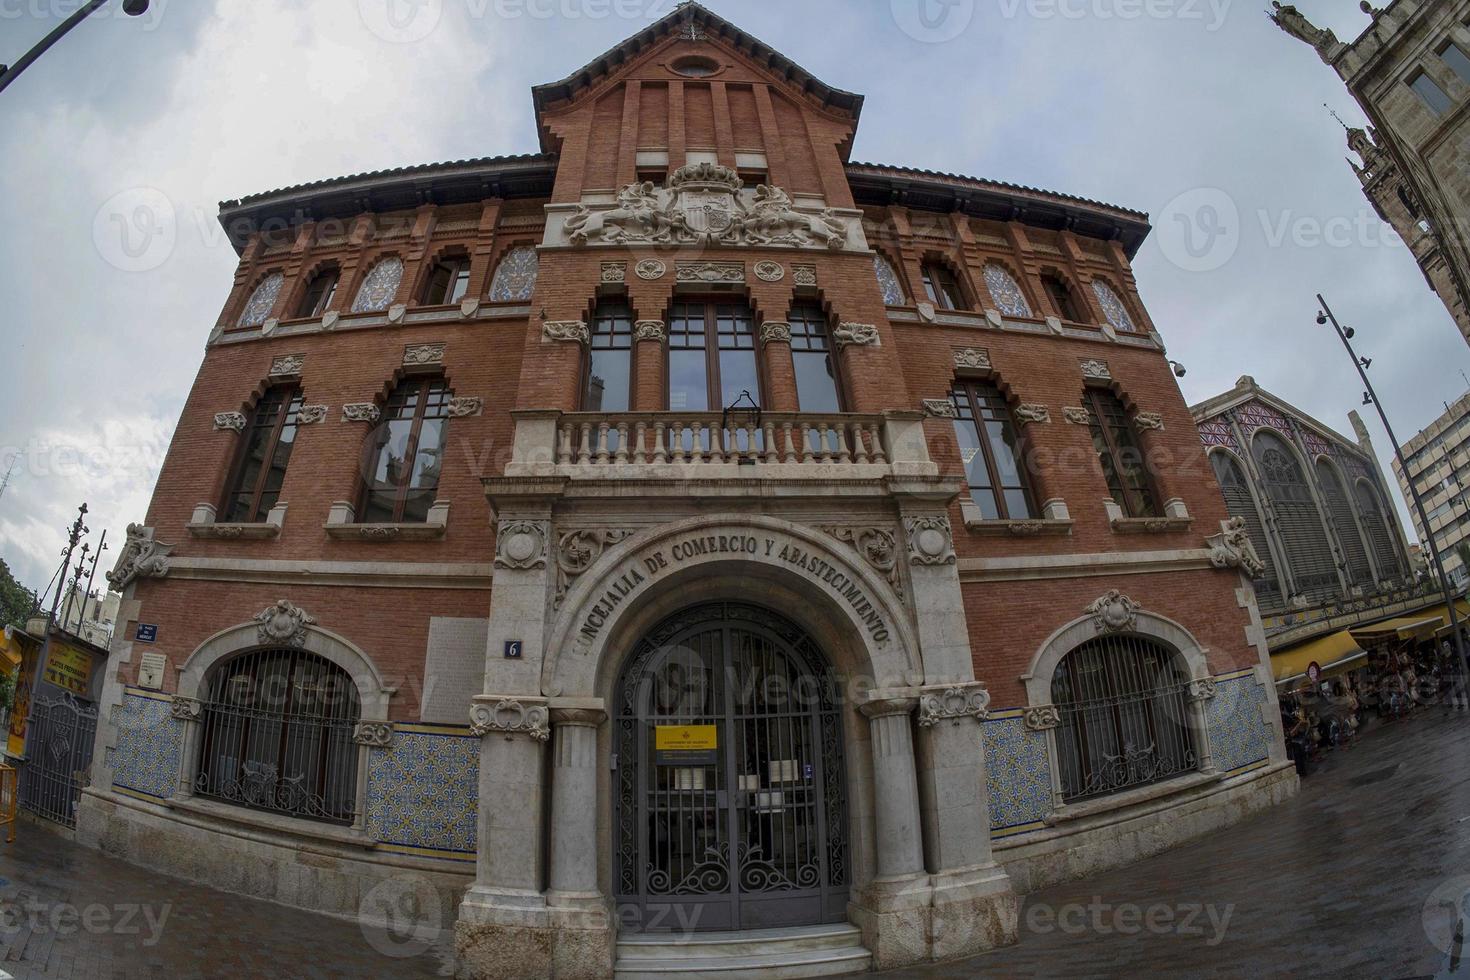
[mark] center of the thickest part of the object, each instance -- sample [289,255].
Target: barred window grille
[1376,525]
[1124,709]
[276,735]
[1298,520]
[1358,569]
[1240,503]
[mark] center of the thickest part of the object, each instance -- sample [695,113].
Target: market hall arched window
[711,356]
[276,734]
[991,451]
[941,286]
[1118,450]
[1240,503]
[1376,525]
[260,468]
[1298,521]
[316,299]
[608,386]
[1124,716]
[1358,569]
[405,453]
[817,388]
[447,282]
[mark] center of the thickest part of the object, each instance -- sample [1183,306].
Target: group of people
[1326,714]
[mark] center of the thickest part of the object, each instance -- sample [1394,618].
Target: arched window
[1240,503]
[991,451]
[1005,291]
[888,281]
[609,382]
[447,282]
[515,276]
[317,298]
[1125,716]
[1061,297]
[941,288]
[817,389]
[1112,307]
[1116,443]
[405,453]
[711,355]
[276,734]
[380,286]
[260,469]
[262,301]
[1358,569]
[1380,538]
[1298,521]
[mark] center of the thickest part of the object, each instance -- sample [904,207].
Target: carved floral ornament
[229,421]
[1077,415]
[311,414]
[650,269]
[954,704]
[930,540]
[576,551]
[804,275]
[421,354]
[768,271]
[1113,612]
[361,412]
[521,544]
[572,331]
[186,709]
[715,272]
[1041,717]
[614,272]
[702,204]
[1232,548]
[974,358]
[1027,414]
[878,547]
[510,717]
[464,406]
[650,330]
[856,335]
[1097,370]
[377,734]
[288,366]
[1148,420]
[284,623]
[141,557]
[940,408]
[1202,689]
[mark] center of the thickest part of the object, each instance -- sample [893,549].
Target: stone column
[974,905]
[893,909]
[188,711]
[574,806]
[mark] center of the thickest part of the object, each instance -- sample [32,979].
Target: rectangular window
[712,356]
[1118,451]
[1434,97]
[991,452]
[688,365]
[261,469]
[609,384]
[811,355]
[407,453]
[941,288]
[1451,54]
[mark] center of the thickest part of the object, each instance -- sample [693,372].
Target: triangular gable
[1248,395]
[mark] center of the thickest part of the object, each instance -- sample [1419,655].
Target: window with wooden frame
[1117,445]
[992,452]
[608,384]
[448,281]
[712,355]
[818,388]
[316,299]
[260,469]
[405,453]
[1062,300]
[941,287]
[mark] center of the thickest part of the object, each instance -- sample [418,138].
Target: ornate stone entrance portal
[730,789]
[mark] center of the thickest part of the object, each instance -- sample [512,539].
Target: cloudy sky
[119,144]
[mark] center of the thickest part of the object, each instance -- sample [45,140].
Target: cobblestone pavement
[1345,880]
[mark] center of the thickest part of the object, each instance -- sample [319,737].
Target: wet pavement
[1356,877]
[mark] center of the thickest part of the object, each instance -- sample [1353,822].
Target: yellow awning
[1336,651]
[1418,626]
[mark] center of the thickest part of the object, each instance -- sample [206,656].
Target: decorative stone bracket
[650,330]
[1077,415]
[774,331]
[1029,414]
[378,734]
[954,704]
[311,414]
[1149,420]
[283,623]
[1202,689]
[361,412]
[229,421]
[340,525]
[570,331]
[510,717]
[186,709]
[1113,612]
[464,406]
[1232,548]
[940,408]
[856,335]
[141,557]
[202,524]
[1041,717]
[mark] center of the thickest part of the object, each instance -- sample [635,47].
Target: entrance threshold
[779,954]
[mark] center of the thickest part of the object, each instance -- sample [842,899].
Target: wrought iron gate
[753,832]
[58,756]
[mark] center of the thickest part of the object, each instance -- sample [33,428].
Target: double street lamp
[8,73]
[1370,397]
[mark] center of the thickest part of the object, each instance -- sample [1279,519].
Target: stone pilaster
[583,943]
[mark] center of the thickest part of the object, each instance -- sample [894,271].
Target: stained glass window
[1005,291]
[888,282]
[515,277]
[380,286]
[262,301]
[1113,307]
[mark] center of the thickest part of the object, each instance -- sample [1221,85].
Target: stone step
[781,954]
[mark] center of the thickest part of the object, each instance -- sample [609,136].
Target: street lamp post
[8,73]
[1345,335]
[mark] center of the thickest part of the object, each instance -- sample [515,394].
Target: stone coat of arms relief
[703,205]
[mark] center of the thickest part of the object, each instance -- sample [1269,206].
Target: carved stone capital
[881,707]
[954,704]
[510,717]
[940,408]
[650,330]
[1148,420]
[1202,689]
[521,544]
[282,623]
[855,335]
[773,331]
[1113,612]
[1039,718]
[1077,415]
[378,734]
[141,557]
[578,717]
[930,540]
[311,415]
[361,412]
[186,709]
[231,421]
[465,405]
[571,331]
[1028,414]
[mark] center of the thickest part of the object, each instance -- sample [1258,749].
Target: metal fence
[58,756]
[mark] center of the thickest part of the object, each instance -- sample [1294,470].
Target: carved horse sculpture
[771,219]
[639,216]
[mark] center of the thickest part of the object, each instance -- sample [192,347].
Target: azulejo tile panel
[1239,735]
[149,742]
[421,792]
[1018,772]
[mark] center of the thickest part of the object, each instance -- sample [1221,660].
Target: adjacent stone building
[682,529]
[1410,72]
[1439,464]
[1320,518]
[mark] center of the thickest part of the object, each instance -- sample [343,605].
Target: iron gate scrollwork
[754,833]
[58,756]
